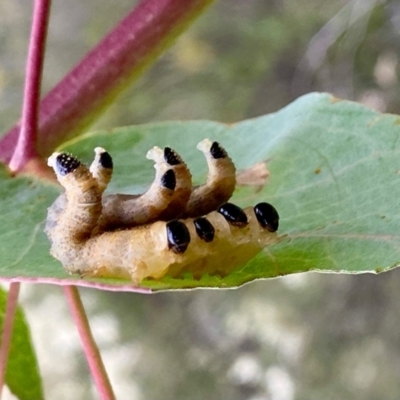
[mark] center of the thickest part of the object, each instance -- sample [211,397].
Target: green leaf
[334,178]
[22,373]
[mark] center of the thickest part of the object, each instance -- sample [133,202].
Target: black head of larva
[168,180]
[204,229]
[217,151]
[178,236]
[65,163]
[267,216]
[105,160]
[233,214]
[171,157]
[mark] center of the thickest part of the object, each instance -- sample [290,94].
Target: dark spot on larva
[106,160]
[171,157]
[267,216]
[65,163]
[317,171]
[217,151]
[168,180]
[233,214]
[204,229]
[178,236]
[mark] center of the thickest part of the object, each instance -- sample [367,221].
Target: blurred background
[302,337]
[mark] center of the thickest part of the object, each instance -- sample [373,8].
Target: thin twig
[25,149]
[8,325]
[89,345]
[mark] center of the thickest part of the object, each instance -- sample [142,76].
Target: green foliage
[24,203]
[22,374]
[333,178]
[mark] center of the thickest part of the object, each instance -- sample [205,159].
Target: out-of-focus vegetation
[302,337]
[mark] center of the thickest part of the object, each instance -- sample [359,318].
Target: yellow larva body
[89,234]
[144,252]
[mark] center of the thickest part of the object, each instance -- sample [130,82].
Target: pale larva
[214,244]
[171,189]
[170,196]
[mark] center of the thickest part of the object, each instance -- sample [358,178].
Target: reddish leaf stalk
[68,109]
[8,325]
[25,149]
[89,345]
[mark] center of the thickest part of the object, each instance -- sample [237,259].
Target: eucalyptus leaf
[334,174]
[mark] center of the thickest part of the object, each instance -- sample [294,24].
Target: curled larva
[221,181]
[215,243]
[171,188]
[171,195]
[80,208]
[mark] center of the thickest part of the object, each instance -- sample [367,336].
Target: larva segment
[149,251]
[221,181]
[165,199]
[80,208]
[101,170]
[169,192]
[183,188]
[232,246]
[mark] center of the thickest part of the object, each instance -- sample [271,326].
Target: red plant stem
[25,148]
[74,103]
[89,345]
[8,325]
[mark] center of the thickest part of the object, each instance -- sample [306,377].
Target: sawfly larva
[170,196]
[171,229]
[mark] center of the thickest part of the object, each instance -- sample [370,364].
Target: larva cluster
[170,229]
